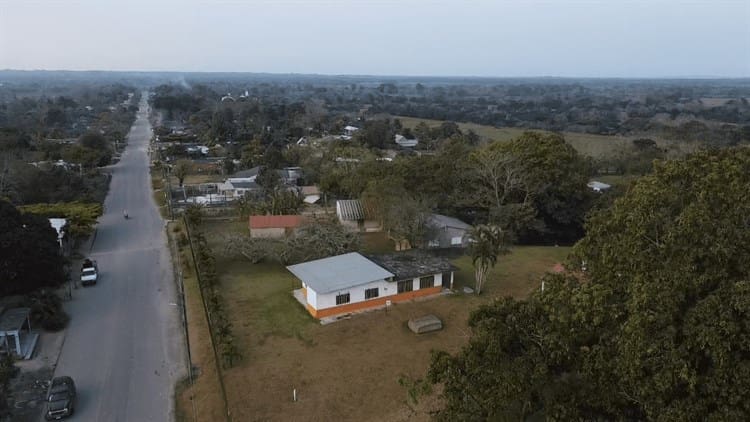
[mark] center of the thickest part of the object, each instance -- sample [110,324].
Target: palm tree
[487,243]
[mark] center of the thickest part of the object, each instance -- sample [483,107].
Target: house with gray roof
[352,282]
[446,232]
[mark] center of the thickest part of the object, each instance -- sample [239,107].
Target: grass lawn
[586,143]
[348,370]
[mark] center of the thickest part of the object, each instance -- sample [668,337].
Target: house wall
[268,233]
[324,304]
[372,226]
[350,225]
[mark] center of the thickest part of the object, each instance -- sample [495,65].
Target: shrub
[47,311]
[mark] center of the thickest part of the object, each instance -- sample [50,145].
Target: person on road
[125,214]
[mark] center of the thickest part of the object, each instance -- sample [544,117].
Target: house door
[447,280]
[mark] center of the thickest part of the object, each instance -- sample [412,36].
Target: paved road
[124,347]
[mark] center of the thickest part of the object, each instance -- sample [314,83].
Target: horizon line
[672,77]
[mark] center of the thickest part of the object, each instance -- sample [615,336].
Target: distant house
[236,189]
[290,175]
[310,194]
[274,226]
[353,215]
[404,142]
[350,130]
[351,282]
[446,232]
[598,186]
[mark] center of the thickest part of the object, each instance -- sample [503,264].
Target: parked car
[61,398]
[89,272]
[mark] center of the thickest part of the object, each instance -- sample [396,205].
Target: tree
[29,253]
[82,217]
[656,327]
[181,169]
[268,178]
[487,243]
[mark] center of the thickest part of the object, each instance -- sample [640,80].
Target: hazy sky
[656,38]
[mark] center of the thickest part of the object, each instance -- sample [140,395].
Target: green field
[586,143]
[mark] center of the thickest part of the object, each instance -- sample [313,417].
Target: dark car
[61,398]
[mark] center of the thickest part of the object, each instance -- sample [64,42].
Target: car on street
[89,272]
[61,398]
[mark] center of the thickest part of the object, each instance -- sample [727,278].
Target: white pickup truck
[89,272]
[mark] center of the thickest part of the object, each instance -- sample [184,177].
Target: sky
[504,38]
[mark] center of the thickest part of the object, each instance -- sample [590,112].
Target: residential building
[274,226]
[352,282]
[354,216]
[446,232]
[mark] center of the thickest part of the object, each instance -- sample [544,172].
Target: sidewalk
[29,388]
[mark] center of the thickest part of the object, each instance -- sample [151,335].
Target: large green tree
[534,185]
[29,253]
[657,327]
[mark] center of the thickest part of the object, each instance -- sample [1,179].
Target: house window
[342,298]
[427,282]
[456,240]
[405,286]
[371,293]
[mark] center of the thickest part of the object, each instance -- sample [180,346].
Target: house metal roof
[350,209]
[13,319]
[339,272]
[245,185]
[412,263]
[443,221]
[246,173]
[275,221]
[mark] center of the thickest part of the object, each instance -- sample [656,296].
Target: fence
[208,320]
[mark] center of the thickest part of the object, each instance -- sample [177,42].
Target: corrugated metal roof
[275,221]
[350,209]
[442,221]
[339,272]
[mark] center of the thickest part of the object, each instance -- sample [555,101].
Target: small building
[598,186]
[352,282]
[353,215]
[446,232]
[274,226]
[236,189]
[310,194]
[403,142]
[350,130]
[16,336]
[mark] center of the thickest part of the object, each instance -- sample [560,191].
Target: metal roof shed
[12,323]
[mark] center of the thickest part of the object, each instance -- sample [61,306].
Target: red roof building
[274,225]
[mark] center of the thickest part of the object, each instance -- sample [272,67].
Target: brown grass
[349,370]
[585,143]
[200,401]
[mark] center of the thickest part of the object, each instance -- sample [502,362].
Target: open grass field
[586,143]
[349,370]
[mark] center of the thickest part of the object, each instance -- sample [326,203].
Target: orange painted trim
[304,292]
[372,303]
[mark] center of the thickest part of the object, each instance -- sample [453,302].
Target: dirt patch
[28,391]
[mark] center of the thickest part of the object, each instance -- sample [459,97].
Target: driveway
[124,346]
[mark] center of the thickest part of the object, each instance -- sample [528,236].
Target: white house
[350,130]
[351,282]
[402,141]
[598,186]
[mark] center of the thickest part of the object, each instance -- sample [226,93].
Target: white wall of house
[268,233]
[357,293]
